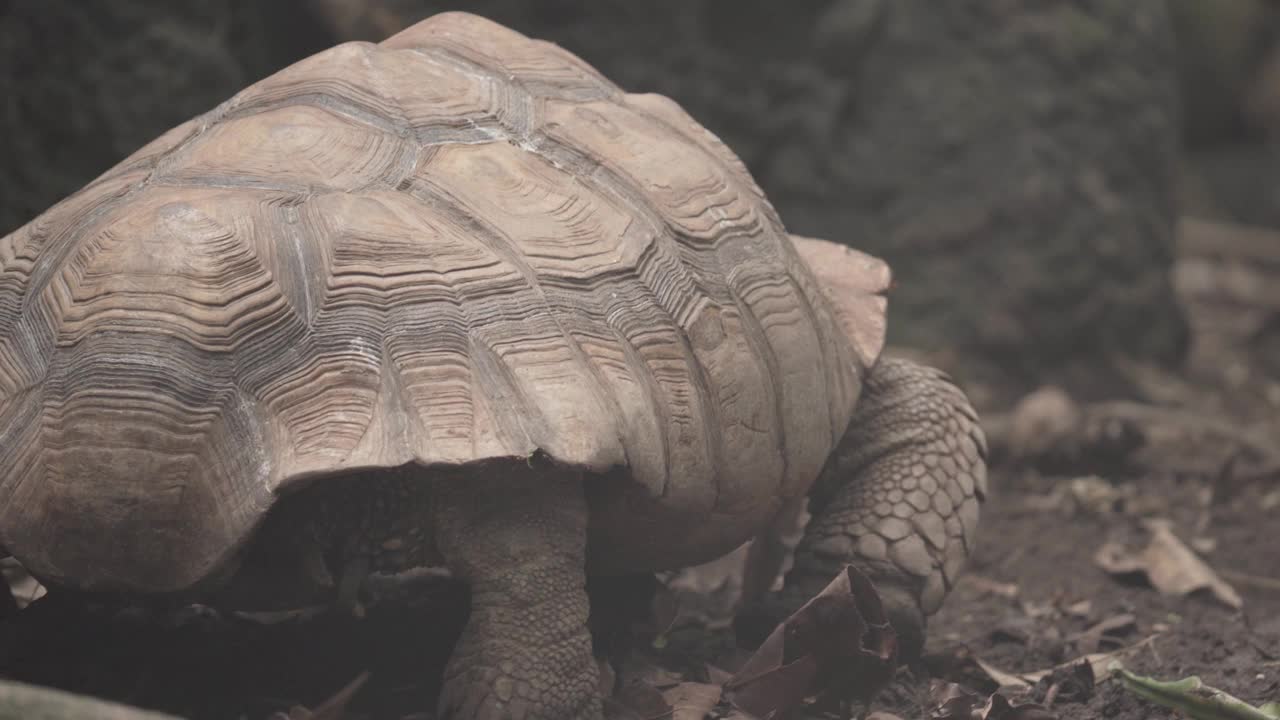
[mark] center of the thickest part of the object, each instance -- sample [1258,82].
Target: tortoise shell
[455,246]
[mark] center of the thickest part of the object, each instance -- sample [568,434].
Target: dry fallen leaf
[640,699]
[999,707]
[1007,679]
[1022,680]
[645,690]
[953,702]
[1170,566]
[691,701]
[840,641]
[1097,662]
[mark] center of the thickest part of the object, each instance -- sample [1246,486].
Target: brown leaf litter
[1168,564]
[838,642]
[839,645]
[954,702]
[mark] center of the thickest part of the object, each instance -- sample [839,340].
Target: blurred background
[1076,193]
[1023,165]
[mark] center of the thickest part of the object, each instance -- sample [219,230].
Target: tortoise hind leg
[898,498]
[517,537]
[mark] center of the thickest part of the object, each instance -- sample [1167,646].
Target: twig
[1259,582]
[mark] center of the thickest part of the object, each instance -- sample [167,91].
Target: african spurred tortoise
[455,300]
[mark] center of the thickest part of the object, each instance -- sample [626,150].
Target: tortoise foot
[519,541]
[899,498]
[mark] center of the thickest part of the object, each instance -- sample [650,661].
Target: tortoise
[456,301]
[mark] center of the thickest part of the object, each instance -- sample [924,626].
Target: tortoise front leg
[898,498]
[517,536]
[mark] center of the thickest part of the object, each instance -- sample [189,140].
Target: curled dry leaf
[953,702]
[838,642]
[1169,565]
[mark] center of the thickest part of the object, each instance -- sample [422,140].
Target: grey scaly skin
[519,541]
[898,499]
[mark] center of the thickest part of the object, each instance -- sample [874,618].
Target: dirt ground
[1042,555]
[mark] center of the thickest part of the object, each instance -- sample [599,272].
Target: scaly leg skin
[898,499]
[517,536]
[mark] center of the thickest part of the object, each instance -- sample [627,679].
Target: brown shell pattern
[457,245]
